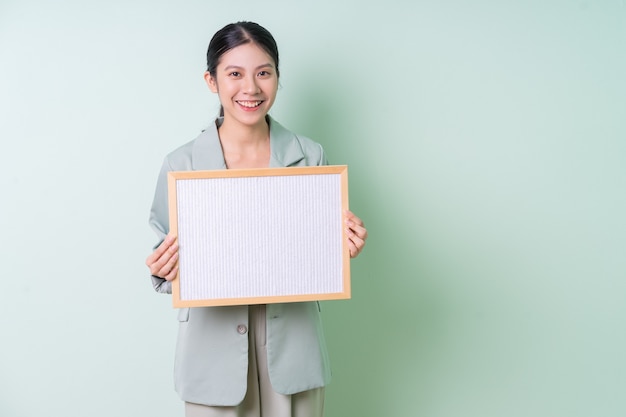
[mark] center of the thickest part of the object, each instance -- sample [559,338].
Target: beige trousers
[261,400]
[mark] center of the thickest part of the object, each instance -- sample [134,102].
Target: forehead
[246,55]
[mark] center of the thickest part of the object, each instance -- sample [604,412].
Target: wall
[486,149]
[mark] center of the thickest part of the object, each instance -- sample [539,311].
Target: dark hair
[240,33]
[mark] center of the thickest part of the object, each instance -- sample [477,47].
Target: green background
[486,142]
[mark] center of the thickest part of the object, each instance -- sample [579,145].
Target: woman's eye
[263,74]
[235,74]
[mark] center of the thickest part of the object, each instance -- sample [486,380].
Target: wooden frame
[259,236]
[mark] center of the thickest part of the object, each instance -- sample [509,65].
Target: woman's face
[246,82]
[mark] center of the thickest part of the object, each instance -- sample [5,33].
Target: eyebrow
[231,67]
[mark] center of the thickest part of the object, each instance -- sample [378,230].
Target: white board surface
[260,236]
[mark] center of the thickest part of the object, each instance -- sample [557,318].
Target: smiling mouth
[250,104]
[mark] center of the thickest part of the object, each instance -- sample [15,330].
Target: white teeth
[250,104]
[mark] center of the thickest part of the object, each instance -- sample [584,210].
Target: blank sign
[258,236]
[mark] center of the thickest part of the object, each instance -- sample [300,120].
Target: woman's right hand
[163,262]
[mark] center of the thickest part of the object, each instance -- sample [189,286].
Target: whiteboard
[259,236]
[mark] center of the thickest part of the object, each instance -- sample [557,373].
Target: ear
[210,81]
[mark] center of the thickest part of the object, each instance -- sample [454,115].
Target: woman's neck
[245,146]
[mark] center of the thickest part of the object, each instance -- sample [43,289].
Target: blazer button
[241,329]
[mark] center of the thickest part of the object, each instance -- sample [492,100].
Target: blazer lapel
[207,150]
[285,149]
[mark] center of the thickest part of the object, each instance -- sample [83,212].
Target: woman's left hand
[357,233]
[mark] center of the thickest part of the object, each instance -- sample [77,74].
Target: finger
[356,225]
[162,266]
[355,244]
[354,251]
[160,250]
[356,233]
[168,267]
[166,262]
[359,231]
[173,273]
[352,217]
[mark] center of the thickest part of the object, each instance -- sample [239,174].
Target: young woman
[266,360]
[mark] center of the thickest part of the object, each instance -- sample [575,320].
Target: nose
[251,86]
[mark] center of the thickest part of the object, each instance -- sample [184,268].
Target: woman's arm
[160,262]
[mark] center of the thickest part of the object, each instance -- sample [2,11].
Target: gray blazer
[211,364]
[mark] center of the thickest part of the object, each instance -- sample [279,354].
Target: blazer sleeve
[323,159]
[159,221]
[313,152]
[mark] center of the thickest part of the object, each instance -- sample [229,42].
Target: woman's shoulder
[280,131]
[289,143]
[309,146]
[181,158]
